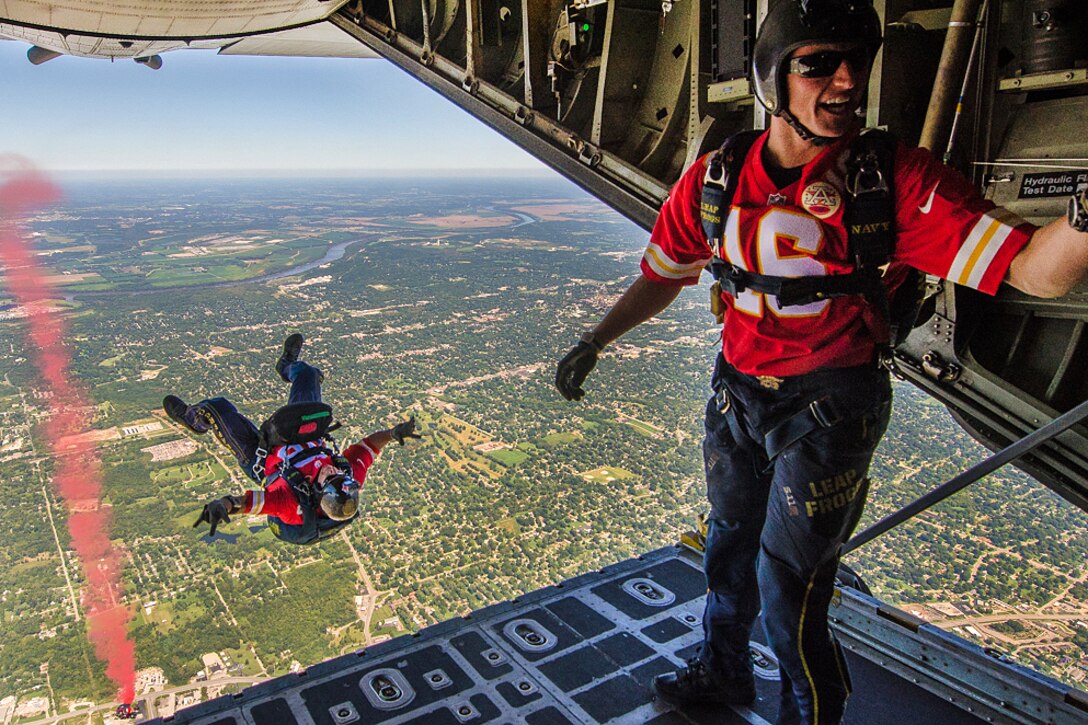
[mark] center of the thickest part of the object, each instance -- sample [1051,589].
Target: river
[333,253]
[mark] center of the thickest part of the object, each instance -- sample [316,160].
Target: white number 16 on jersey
[801,231]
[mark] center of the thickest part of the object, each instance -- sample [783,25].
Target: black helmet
[791,24]
[340,497]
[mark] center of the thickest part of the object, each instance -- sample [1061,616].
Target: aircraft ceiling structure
[144,28]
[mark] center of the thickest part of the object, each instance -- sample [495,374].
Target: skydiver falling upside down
[310,490]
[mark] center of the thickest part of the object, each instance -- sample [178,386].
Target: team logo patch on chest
[821,199]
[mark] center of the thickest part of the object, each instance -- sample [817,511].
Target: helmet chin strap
[803,132]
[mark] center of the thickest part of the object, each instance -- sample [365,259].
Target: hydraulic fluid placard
[1052,183]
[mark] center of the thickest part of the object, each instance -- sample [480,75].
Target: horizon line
[306,173]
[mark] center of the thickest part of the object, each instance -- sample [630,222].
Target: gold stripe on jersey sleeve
[979,249]
[982,245]
[661,264]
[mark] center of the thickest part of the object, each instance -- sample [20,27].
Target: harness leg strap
[817,414]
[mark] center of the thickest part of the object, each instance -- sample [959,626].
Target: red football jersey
[279,500]
[943,227]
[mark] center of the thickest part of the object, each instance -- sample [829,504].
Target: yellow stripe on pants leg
[801,652]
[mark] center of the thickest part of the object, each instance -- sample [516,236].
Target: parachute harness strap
[719,186]
[294,476]
[868,217]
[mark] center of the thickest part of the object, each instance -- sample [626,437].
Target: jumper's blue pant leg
[305,383]
[737,490]
[817,495]
[778,523]
[233,430]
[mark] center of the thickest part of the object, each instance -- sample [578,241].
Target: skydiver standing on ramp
[803,219]
[310,490]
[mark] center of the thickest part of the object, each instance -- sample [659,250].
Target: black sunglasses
[826,63]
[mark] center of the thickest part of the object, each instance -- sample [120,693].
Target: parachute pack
[296,423]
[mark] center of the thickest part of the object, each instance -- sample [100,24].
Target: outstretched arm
[218,512]
[1052,263]
[400,432]
[642,300]
[379,439]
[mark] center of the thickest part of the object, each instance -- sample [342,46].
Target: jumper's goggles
[827,62]
[341,485]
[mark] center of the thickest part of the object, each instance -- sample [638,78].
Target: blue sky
[204,112]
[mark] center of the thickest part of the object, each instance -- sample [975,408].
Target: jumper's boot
[185,415]
[696,684]
[292,348]
[696,540]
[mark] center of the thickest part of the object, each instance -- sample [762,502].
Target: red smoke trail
[78,474]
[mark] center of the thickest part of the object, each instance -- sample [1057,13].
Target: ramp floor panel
[584,651]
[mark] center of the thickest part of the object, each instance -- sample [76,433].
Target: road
[60,549]
[110,707]
[370,599]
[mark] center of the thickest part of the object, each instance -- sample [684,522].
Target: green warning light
[585,27]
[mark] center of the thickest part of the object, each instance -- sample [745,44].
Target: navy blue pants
[237,432]
[783,500]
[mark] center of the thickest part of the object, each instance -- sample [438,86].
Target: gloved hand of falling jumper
[407,429]
[217,512]
[574,368]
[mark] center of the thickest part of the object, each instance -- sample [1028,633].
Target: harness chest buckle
[866,177]
[258,461]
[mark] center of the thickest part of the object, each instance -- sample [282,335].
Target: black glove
[407,429]
[573,370]
[217,512]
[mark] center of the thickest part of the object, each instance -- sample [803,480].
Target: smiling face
[827,105]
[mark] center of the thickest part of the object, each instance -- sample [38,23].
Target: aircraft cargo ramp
[586,651]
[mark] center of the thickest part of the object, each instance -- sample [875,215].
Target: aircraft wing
[147,28]
[317,40]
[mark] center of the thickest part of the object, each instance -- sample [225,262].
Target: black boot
[292,348]
[184,414]
[696,684]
